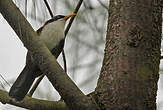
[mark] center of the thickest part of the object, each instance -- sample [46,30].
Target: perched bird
[52,33]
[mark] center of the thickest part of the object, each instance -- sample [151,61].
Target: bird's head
[62,17]
[58,19]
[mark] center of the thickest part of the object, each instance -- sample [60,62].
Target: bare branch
[26,8]
[32,103]
[48,7]
[5,80]
[64,60]
[72,18]
[102,4]
[35,85]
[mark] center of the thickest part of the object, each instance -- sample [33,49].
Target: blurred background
[84,46]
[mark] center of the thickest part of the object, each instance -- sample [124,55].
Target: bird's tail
[23,83]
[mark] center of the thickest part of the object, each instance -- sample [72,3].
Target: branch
[48,7]
[70,93]
[64,60]
[103,5]
[72,18]
[35,104]
[35,85]
[32,103]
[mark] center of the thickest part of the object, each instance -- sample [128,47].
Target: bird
[52,34]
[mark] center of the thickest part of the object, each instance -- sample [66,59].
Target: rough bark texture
[129,75]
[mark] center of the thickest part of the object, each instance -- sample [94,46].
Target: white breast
[52,33]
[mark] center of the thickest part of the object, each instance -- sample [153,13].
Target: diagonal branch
[35,85]
[70,93]
[48,7]
[72,18]
[102,4]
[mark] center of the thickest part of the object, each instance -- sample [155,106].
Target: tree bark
[129,75]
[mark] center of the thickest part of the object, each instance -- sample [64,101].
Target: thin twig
[102,4]
[2,85]
[64,60]
[72,19]
[35,85]
[48,7]
[5,80]
[88,5]
[34,9]
[68,28]
[26,8]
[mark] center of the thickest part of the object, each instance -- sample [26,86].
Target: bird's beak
[68,16]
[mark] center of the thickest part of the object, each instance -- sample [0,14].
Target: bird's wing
[58,48]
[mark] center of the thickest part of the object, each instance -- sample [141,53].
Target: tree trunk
[129,75]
